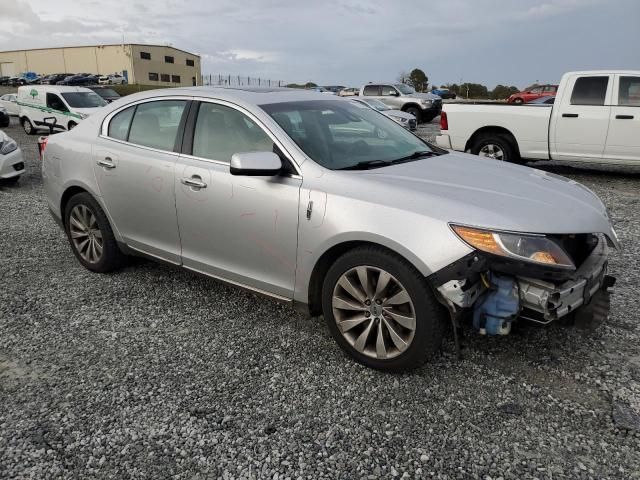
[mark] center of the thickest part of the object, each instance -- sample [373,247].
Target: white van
[69,106]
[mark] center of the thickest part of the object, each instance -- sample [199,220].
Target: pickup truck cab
[594,119]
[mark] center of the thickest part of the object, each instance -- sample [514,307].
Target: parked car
[54,78]
[443,93]
[595,119]
[68,105]
[334,88]
[405,119]
[80,79]
[113,79]
[424,106]
[16,81]
[10,103]
[332,208]
[11,161]
[349,92]
[4,80]
[322,90]
[107,93]
[5,119]
[533,93]
[548,100]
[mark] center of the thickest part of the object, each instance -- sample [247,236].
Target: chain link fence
[227,80]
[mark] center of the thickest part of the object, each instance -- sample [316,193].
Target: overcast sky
[350,42]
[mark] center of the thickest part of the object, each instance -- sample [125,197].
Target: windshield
[377,104]
[405,89]
[341,135]
[84,99]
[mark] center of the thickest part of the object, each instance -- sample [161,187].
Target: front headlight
[530,248]
[8,147]
[399,119]
[426,102]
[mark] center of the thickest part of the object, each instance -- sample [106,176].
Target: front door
[237,228]
[134,167]
[581,119]
[623,140]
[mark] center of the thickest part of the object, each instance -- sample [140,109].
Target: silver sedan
[333,208]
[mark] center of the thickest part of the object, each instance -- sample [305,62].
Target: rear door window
[590,91]
[119,124]
[629,92]
[372,90]
[156,124]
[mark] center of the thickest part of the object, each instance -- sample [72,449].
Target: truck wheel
[415,111]
[381,311]
[28,126]
[495,146]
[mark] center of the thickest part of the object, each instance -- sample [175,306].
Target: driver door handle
[106,163]
[193,182]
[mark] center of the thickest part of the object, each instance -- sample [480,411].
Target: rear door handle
[624,117]
[570,115]
[193,182]
[106,163]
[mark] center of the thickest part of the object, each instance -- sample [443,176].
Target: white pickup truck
[595,119]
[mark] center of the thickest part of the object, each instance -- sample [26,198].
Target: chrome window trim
[104,128]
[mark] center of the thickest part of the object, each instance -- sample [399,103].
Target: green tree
[418,80]
[502,92]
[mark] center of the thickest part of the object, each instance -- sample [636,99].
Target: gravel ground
[154,372]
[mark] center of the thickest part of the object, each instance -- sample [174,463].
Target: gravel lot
[154,372]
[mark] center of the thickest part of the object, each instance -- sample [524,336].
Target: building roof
[98,46]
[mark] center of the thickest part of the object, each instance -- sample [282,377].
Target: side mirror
[255,164]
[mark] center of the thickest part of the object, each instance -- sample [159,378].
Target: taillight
[42,144]
[444,123]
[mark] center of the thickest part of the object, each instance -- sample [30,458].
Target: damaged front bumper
[477,282]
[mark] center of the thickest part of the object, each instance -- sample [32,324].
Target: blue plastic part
[498,306]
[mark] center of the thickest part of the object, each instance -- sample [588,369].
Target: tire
[71,125]
[422,311]
[495,145]
[27,126]
[415,111]
[10,181]
[518,101]
[110,258]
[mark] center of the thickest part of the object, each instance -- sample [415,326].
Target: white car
[68,105]
[11,161]
[10,103]
[595,119]
[113,79]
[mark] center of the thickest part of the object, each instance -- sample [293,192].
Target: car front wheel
[415,111]
[90,235]
[28,126]
[381,311]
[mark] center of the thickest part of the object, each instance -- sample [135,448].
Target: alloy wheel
[492,150]
[85,234]
[374,312]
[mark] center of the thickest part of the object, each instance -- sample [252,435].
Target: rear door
[623,140]
[580,119]
[134,163]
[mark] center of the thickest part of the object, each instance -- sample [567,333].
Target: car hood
[469,190]
[399,114]
[427,95]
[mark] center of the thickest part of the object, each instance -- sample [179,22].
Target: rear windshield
[84,99]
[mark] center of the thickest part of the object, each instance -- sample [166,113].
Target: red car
[532,93]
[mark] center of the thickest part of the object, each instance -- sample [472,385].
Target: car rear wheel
[494,146]
[28,126]
[381,311]
[518,101]
[90,235]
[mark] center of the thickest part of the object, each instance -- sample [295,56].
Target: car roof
[53,88]
[249,95]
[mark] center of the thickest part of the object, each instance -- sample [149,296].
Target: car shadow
[612,171]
